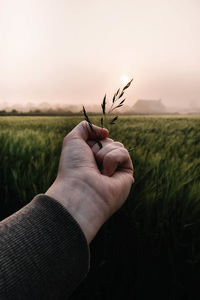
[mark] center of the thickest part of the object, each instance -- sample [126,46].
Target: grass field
[150,249]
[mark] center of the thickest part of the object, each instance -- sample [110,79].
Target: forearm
[43,252]
[83,203]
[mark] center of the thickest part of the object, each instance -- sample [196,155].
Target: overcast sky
[73,51]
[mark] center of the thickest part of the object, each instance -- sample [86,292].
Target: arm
[44,246]
[43,252]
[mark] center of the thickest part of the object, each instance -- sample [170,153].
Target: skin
[92,183]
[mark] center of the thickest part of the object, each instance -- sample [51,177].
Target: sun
[124,79]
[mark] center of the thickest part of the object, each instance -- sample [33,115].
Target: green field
[150,249]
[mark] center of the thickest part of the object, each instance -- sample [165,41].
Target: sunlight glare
[124,79]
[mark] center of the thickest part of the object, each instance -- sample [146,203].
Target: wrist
[83,203]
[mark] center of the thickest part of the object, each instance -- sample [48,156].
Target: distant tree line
[49,112]
[38,112]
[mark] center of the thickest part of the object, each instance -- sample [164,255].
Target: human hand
[92,183]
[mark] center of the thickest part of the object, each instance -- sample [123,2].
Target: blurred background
[56,56]
[62,52]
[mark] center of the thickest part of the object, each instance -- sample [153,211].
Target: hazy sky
[73,51]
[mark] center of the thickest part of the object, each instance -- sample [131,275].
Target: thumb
[84,131]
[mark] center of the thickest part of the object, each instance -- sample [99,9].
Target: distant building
[149,107]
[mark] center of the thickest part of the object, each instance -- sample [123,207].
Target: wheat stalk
[116,103]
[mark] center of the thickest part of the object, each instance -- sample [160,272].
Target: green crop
[154,240]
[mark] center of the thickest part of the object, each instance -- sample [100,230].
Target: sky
[73,51]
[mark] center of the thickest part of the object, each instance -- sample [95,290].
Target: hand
[92,183]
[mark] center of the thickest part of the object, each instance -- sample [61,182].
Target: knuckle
[119,144]
[109,140]
[83,123]
[124,151]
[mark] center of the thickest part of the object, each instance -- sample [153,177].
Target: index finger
[85,131]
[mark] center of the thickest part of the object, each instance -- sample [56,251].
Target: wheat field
[150,249]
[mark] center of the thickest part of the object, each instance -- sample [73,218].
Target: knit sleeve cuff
[44,252]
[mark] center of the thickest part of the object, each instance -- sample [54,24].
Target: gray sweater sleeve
[43,252]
